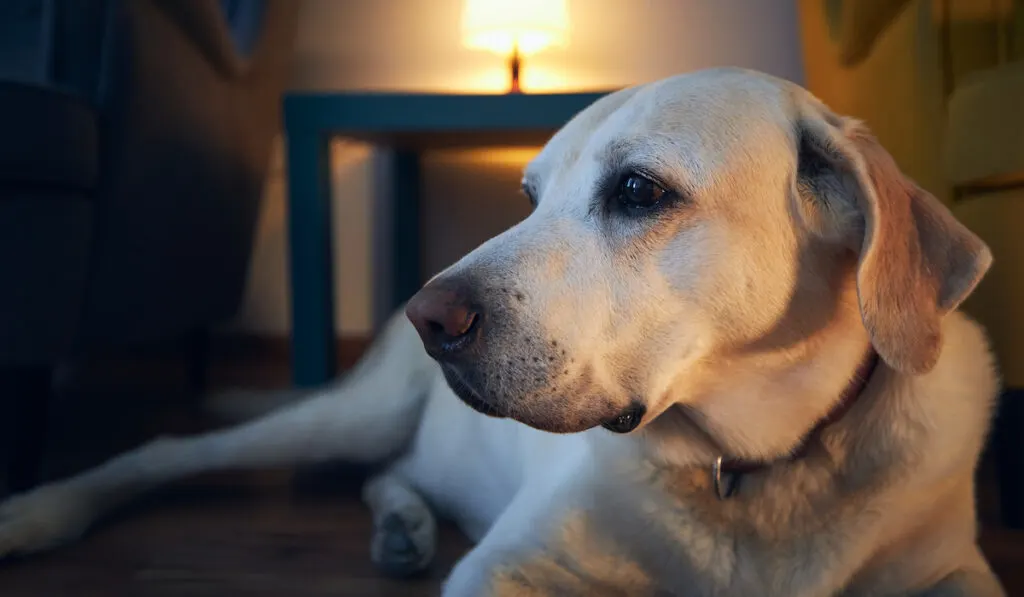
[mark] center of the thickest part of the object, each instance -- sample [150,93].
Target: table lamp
[514,28]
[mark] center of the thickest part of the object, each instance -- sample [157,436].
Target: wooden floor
[276,533]
[255,539]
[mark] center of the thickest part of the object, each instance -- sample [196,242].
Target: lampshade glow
[527,26]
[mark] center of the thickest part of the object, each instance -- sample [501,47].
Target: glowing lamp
[515,28]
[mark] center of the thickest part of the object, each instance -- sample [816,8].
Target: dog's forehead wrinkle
[687,128]
[566,144]
[676,158]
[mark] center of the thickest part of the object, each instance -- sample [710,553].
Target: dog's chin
[469,396]
[622,420]
[560,426]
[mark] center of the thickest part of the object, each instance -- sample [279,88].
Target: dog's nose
[444,319]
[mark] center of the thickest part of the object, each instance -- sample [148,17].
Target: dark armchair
[135,136]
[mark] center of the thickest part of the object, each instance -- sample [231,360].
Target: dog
[722,356]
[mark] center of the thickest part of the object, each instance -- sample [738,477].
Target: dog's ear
[916,261]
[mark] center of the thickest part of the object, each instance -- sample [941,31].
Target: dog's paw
[403,542]
[42,519]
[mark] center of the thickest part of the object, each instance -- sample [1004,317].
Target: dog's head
[693,241]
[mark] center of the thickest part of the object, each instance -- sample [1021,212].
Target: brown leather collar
[725,472]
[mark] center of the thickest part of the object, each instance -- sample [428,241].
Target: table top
[431,120]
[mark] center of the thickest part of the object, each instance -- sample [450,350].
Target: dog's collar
[725,472]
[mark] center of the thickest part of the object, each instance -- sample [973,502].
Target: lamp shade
[527,26]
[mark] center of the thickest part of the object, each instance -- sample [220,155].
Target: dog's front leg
[504,562]
[478,573]
[507,571]
[537,548]
[473,575]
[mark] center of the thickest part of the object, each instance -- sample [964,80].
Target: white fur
[883,503]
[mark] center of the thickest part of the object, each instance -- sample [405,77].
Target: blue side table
[409,124]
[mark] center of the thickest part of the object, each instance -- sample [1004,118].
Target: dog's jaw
[468,395]
[622,422]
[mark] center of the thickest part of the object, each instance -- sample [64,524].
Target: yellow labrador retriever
[721,357]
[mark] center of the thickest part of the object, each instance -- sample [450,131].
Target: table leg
[406,253]
[312,273]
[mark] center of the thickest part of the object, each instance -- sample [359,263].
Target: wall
[908,116]
[472,195]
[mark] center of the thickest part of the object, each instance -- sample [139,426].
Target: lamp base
[515,63]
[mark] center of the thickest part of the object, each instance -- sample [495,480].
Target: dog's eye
[639,192]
